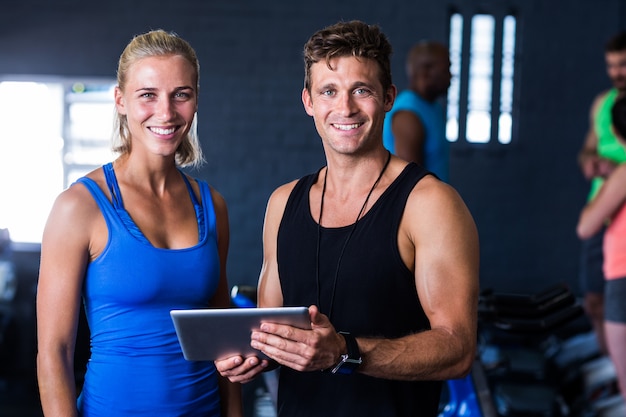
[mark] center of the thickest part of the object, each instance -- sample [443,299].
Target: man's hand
[592,166]
[604,167]
[303,350]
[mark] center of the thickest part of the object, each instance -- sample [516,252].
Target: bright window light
[37,159]
[480,79]
[454,91]
[31,170]
[506,83]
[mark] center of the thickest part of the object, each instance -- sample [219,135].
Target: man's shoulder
[281,194]
[431,190]
[434,202]
[604,95]
[284,190]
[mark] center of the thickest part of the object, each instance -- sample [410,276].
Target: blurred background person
[414,129]
[608,208]
[600,154]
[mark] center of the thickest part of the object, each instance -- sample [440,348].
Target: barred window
[480,97]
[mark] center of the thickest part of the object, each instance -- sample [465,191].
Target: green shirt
[609,146]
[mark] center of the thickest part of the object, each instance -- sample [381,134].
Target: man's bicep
[446,262]
[269,291]
[590,145]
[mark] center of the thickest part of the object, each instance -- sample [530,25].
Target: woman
[136,239]
[608,207]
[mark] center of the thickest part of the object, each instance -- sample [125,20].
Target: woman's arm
[609,199]
[230,393]
[65,252]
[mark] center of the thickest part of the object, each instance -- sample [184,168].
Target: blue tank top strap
[101,199]
[197,208]
[116,195]
[118,203]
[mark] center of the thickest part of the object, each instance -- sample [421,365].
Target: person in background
[414,129]
[608,208]
[384,254]
[136,239]
[600,153]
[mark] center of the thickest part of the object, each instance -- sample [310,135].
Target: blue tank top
[136,366]
[436,146]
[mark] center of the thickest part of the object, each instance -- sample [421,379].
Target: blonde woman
[135,239]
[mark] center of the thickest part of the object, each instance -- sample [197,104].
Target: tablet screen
[215,333]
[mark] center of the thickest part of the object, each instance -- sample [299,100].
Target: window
[483,113]
[54,131]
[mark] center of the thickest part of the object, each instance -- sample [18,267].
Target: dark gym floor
[19,397]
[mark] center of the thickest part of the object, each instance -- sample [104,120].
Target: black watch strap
[352,345]
[350,361]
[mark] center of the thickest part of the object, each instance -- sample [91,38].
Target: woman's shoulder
[75,201]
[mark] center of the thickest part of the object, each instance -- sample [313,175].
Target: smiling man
[385,255]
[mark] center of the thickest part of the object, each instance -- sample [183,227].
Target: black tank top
[375,296]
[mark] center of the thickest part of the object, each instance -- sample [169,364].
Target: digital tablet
[216,333]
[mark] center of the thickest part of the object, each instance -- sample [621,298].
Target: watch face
[350,361]
[347,365]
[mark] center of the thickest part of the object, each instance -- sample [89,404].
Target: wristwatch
[350,361]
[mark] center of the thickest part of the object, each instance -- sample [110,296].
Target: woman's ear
[120,103]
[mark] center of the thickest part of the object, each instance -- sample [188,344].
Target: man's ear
[390,97]
[307,101]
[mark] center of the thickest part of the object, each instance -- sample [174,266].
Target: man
[600,153]
[381,251]
[415,127]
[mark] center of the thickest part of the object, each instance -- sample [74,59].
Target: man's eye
[328,93]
